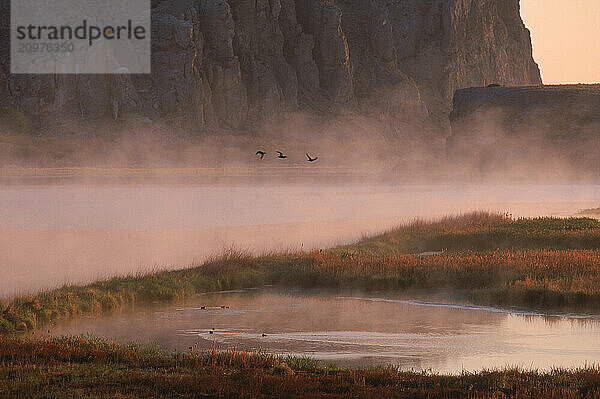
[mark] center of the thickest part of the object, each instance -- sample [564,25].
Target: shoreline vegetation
[77,367]
[592,212]
[541,264]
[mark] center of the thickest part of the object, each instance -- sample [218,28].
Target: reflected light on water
[359,331]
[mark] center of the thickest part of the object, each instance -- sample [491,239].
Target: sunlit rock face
[548,130]
[449,45]
[237,64]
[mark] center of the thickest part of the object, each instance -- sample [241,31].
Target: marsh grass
[482,231]
[531,278]
[51,367]
[594,212]
[540,263]
[530,262]
[233,269]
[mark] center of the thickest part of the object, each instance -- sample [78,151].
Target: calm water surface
[358,330]
[52,235]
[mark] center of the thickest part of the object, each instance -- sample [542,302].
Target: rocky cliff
[553,129]
[236,65]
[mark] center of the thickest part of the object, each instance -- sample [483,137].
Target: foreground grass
[541,263]
[79,367]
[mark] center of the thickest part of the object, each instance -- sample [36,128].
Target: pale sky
[566,38]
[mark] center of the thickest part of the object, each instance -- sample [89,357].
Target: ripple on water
[360,331]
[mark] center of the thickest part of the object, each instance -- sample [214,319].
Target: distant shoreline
[225,174]
[250,174]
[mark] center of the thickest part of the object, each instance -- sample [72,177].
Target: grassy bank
[541,263]
[79,367]
[591,212]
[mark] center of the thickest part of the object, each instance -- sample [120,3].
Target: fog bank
[56,234]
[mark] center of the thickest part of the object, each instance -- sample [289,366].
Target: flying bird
[281,155]
[309,159]
[261,153]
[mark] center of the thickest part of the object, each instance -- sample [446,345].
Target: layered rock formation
[541,126]
[237,64]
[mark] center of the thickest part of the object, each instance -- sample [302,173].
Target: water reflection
[359,331]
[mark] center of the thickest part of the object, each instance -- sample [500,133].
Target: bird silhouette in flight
[281,155]
[261,153]
[309,159]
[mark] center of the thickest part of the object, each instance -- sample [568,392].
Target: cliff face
[449,45]
[554,126]
[237,64]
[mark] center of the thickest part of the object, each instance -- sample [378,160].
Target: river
[52,235]
[358,330]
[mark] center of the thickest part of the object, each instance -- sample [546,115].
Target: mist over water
[358,330]
[75,233]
